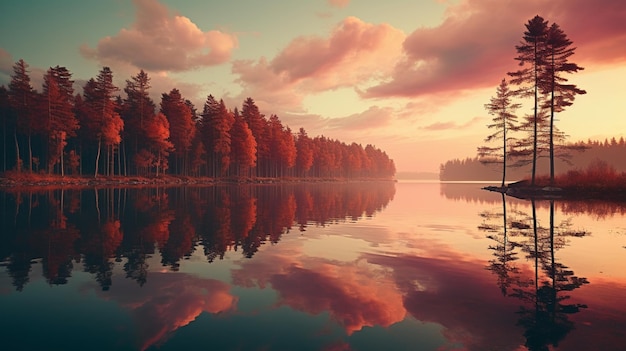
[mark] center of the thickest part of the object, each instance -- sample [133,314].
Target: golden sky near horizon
[410,77]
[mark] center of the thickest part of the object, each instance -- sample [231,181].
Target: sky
[409,77]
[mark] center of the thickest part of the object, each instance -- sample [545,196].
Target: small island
[599,181]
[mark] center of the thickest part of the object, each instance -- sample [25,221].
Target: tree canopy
[99,132]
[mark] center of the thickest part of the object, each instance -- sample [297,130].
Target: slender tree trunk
[504,155]
[97,158]
[552,123]
[80,161]
[17,154]
[119,156]
[536,68]
[62,168]
[30,154]
[124,163]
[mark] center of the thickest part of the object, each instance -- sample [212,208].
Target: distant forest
[100,132]
[612,152]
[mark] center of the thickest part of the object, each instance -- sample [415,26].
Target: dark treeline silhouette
[612,152]
[97,229]
[544,313]
[98,131]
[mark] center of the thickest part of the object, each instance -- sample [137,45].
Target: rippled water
[329,266]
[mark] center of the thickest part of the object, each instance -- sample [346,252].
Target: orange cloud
[162,41]
[355,53]
[316,285]
[373,117]
[173,301]
[459,294]
[339,3]
[474,47]
[342,291]
[451,125]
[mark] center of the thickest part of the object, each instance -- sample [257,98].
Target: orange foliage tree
[182,127]
[243,146]
[57,110]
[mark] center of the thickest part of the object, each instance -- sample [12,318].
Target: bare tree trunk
[97,158]
[30,154]
[18,166]
[62,168]
[552,125]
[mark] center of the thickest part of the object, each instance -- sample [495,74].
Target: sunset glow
[405,76]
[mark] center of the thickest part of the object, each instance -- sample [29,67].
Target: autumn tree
[382,166]
[6,122]
[561,94]
[22,101]
[57,110]
[531,55]
[282,147]
[243,146]
[182,127]
[217,123]
[288,149]
[135,110]
[357,163]
[100,118]
[157,131]
[304,153]
[258,126]
[504,122]
[197,155]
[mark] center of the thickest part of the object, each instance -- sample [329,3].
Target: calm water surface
[356,266]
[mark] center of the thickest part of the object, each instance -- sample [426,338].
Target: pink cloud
[162,41]
[315,286]
[474,47]
[339,3]
[438,126]
[373,117]
[6,62]
[173,301]
[457,293]
[343,293]
[353,54]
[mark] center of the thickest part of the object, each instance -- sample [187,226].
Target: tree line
[610,152]
[102,132]
[543,55]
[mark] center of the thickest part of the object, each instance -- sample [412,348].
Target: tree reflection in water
[544,313]
[127,226]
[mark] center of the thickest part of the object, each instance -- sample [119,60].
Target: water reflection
[97,228]
[309,267]
[544,313]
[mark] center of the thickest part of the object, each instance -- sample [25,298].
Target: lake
[309,266]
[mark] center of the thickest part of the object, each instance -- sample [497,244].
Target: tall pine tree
[22,101]
[57,110]
[531,54]
[558,51]
[504,122]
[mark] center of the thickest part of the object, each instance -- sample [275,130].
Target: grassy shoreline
[35,180]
